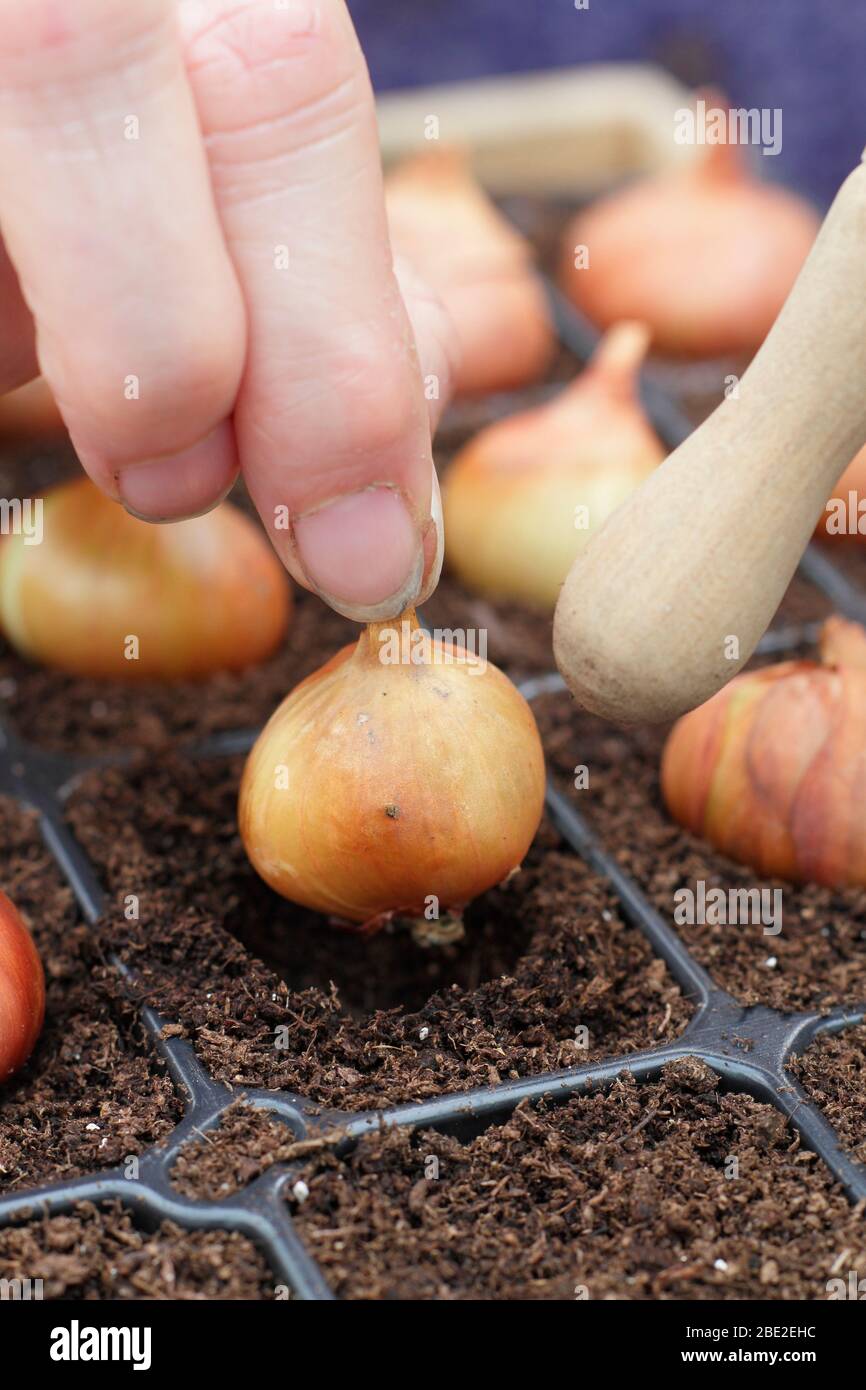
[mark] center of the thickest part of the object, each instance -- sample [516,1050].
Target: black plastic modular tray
[747,1047]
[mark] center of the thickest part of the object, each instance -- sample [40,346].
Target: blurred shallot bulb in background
[443,223]
[30,412]
[705,255]
[89,589]
[523,497]
[844,517]
[772,770]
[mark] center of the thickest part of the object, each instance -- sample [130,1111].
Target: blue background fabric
[807,57]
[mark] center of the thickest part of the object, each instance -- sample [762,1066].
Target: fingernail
[434,545]
[182,485]
[362,554]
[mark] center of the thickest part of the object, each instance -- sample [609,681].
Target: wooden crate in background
[569,132]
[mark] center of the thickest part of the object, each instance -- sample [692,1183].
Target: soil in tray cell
[247,1141]
[833,1071]
[665,1191]
[817,960]
[96,1253]
[548,974]
[94,1092]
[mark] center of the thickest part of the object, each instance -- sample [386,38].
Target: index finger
[108,216]
[331,422]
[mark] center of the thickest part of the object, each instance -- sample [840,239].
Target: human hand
[197,259]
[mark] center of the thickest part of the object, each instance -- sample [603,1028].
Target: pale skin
[195,255]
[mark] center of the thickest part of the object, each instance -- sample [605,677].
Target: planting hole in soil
[543,956]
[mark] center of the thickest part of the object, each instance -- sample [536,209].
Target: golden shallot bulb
[523,497]
[405,777]
[443,223]
[705,256]
[89,589]
[772,770]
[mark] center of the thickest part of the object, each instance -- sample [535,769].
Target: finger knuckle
[378,399]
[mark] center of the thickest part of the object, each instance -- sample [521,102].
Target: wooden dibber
[691,568]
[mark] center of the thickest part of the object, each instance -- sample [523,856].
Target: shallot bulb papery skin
[706,256]
[524,496]
[442,221]
[105,595]
[772,770]
[380,787]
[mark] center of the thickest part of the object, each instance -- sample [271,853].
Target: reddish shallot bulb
[22,990]
[705,256]
[446,227]
[523,497]
[89,589]
[772,770]
[403,778]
